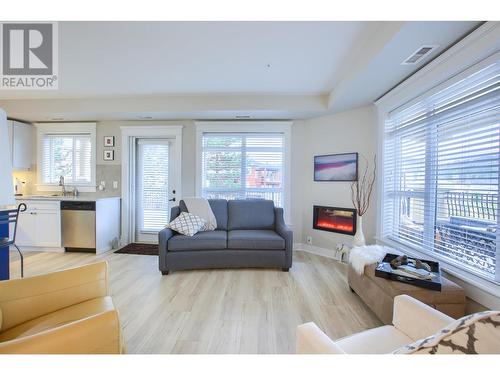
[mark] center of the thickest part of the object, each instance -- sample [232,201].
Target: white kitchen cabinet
[22,152]
[26,228]
[21,144]
[40,225]
[10,128]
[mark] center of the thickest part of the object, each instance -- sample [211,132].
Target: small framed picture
[109,141]
[109,155]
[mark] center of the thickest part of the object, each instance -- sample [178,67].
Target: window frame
[235,127]
[451,266]
[69,129]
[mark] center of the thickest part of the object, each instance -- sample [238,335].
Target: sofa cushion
[219,208]
[259,239]
[250,214]
[211,240]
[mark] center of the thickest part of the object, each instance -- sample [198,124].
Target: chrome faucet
[65,193]
[61,183]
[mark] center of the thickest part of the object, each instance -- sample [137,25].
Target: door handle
[172,200]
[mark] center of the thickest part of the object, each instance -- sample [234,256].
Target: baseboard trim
[40,249]
[316,250]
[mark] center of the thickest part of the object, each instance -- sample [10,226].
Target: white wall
[298,164]
[350,131]
[112,128]
[188,167]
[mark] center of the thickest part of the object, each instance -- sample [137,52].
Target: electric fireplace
[335,219]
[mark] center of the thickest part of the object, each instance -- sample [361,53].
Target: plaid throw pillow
[187,224]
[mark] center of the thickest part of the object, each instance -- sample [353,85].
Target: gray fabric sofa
[249,233]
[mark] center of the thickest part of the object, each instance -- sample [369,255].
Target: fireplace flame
[328,224]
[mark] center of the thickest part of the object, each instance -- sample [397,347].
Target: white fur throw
[362,256]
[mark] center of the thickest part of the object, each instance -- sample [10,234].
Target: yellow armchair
[65,312]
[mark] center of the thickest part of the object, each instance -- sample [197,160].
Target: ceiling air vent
[419,54]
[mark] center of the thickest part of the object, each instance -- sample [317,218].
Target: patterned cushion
[187,224]
[473,334]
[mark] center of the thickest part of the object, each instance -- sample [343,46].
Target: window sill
[56,187]
[489,287]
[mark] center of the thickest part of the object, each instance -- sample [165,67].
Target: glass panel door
[153,187]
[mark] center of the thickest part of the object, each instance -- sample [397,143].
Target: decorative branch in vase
[361,192]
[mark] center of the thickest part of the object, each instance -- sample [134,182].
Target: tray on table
[385,271]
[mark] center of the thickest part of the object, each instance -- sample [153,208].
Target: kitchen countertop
[8,208]
[61,198]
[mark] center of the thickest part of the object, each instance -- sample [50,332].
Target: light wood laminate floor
[220,311]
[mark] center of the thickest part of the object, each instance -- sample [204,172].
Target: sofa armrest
[312,340]
[416,319]
[97,334]
[174,212]
[29,298]
[284,231]
[163,236]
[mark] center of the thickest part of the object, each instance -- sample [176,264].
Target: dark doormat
[139,248]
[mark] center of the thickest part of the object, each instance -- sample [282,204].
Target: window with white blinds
[441,173]
[67,155]
[243,165]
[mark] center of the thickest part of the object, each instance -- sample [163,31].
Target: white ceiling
[222,69]
[385,71]
[148,58]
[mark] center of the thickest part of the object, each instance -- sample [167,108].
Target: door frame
[129,136]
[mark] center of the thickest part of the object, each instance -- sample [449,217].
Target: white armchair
[412,320]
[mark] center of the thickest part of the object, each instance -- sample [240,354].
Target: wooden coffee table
[378,294]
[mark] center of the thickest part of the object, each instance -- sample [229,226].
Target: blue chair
[11,218]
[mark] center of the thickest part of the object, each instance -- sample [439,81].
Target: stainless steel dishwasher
[78,226]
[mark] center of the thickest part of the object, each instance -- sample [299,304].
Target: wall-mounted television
[336,167]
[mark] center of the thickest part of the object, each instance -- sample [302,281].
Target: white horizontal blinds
[222,166]
[243,165]
[69,156]
[153,184]
[82,156]
[264,167]
[405,187]
[441,172]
